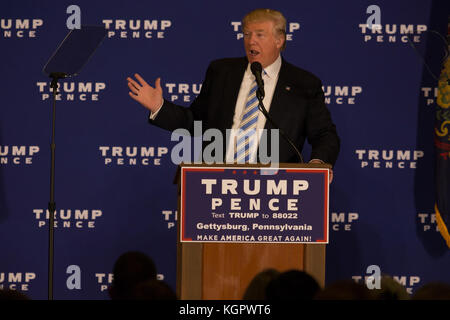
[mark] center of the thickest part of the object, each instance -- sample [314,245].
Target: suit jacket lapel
[231,91]
[277,112]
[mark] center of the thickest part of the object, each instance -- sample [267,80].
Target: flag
[442,149]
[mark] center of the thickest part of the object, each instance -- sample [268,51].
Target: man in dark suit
[293,97]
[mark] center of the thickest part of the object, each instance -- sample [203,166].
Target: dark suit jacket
[297,107]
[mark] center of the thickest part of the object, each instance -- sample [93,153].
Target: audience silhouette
[292,285]
[433,291]
[345,290]
[256,290]
[134,278]
[390,289]
[154,290]
[9,295]
[130,269]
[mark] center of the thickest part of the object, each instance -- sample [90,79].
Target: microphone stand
[52,205]
[260,96]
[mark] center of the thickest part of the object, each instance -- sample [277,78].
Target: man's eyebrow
[257,30]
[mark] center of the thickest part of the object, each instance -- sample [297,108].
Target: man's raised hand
[151,98]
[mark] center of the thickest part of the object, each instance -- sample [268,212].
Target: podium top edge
[259,165]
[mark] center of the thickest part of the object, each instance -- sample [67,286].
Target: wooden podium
[222,271]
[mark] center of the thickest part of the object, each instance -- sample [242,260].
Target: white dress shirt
[270,78]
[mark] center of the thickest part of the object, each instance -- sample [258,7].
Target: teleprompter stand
[67,61]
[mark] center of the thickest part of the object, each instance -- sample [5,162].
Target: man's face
[261,44]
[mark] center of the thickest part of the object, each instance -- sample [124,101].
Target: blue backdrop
[114,190]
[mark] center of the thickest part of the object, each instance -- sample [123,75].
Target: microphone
[257,70]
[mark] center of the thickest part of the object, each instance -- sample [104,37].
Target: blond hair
[260,15]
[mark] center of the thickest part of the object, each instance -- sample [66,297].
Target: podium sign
[254,205]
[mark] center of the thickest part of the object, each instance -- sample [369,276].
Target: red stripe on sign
[203,169]
[308,171]
[183,203]
[325,225]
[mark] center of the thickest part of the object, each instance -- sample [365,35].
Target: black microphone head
[256,67]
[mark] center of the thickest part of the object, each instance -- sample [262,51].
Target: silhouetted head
[256,290]
[390,289]
[129,270]
[154,290]
[345,290]
[9,295]
[292,285]
[433,291]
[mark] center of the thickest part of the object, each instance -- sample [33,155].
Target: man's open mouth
[254,53]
